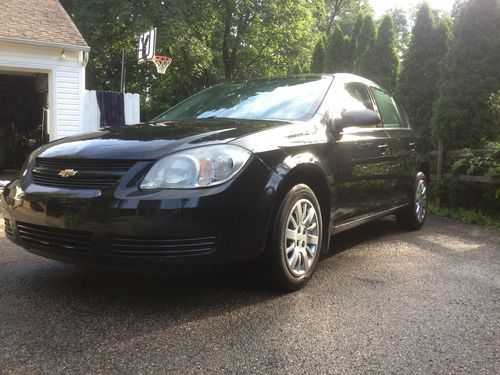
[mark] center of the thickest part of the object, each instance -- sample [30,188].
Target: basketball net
[162,63]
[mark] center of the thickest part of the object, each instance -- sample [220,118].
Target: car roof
[343,77]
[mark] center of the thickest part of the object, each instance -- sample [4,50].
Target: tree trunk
[226,55]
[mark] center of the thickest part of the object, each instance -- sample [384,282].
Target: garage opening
[23,116]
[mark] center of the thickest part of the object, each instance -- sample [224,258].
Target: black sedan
[262,170]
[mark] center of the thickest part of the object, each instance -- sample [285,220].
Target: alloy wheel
[421,200]
[301,237]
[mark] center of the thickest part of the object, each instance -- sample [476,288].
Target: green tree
[353,40]
[296,69]
[335,8]
[185,30]
[384,59]
[348,16]
[364,47]
[338,57]
[263,38]
[318,57]
[209,41]
[343,13]
[418,83]
[462,116]
[401,30]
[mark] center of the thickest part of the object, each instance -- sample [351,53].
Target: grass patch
[467,215]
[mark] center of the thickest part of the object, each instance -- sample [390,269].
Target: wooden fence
[441,156]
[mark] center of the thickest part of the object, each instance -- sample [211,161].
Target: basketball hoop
[162,63]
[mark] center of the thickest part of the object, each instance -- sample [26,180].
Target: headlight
[195,168]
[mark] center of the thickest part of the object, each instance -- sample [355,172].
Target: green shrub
[451,193]
[487,165]
[474,216]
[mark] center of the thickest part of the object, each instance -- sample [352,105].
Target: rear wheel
[413,216]
[295,245]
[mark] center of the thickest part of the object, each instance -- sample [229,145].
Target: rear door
[359,159]
[401,147]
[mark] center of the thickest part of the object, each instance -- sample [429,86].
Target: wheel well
[312,177]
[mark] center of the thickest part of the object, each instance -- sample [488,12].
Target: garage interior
[23,117]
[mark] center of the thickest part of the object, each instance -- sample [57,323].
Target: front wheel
[295,245]
[413,216]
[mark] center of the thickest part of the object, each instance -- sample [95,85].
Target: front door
[359,160]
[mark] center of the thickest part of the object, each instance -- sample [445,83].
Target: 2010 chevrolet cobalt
[265,169]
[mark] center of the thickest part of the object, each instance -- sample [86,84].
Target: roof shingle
[38,20]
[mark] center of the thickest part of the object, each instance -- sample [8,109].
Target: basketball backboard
[147,45]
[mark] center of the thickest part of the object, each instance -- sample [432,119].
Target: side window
[405,120]
[387,109]
[357,97]
[352,96]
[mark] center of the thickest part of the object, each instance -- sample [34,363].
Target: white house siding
[66,82]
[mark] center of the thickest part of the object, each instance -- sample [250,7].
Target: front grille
[8,227]
[54,238]
[90,173]
[135,246]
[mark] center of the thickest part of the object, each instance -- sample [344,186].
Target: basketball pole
[122,80]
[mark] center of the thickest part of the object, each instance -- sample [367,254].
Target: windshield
[274,99]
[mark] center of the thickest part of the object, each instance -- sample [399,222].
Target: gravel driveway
[385,301]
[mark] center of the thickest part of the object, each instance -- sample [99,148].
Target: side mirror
[358,117]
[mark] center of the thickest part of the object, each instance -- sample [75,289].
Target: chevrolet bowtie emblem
[67,173]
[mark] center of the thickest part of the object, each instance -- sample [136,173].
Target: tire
[295,247]
[413,216]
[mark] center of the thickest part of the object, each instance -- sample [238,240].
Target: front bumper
[124,228]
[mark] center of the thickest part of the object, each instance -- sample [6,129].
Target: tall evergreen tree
[337,52]
[364,47]
[418,83]
[462,116]
[384,59]
[356,29]
[318,57]
[401,29]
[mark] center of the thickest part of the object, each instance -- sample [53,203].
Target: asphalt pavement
[384,301]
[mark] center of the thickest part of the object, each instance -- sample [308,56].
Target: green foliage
[473,216]
[487,165]
[462,116]
[209,41]
[385,61]
[401,30]
[364,47]
[418,83]
[263,38]
[296,69]
[353,40]
[452,193]
[318,57]
[343,14]
[338,53]
[494,105]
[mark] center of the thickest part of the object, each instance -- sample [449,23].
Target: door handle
[383,148]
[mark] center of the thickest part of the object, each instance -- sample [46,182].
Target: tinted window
[358,93]
[387,109]
[405,121]
[279,99]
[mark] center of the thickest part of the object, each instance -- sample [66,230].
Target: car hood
[151,141]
